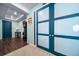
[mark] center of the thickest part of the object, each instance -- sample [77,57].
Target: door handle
[52,35]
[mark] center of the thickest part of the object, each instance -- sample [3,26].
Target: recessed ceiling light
[15,13]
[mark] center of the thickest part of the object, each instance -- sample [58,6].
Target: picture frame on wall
[29,20]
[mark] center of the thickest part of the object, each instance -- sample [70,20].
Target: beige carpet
[29,50]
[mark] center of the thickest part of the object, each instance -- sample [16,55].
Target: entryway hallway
[51,27]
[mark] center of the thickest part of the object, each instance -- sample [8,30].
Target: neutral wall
[30,27]
[20,27]
[14,27]
[30,30]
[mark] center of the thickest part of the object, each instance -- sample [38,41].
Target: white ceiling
[10,12]
[27,7]
[16,11]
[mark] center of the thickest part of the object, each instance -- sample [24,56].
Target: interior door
[25,31]
[7,29]
[45,31]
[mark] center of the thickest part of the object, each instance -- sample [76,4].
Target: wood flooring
[9,45]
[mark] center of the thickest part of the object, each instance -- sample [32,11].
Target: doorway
[7,29]
[45,27]
[25,31]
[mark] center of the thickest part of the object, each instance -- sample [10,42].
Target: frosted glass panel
[62,9]
[67,46]
[69,26]
[43,27]
[43,14]
[43,41]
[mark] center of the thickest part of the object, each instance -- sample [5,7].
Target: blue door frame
[7,29]
[51,27]
[34,29]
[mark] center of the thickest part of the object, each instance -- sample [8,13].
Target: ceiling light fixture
[15,13]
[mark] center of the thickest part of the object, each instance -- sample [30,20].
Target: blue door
[45,27]
[7,29]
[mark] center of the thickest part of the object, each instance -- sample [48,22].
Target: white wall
[30,27]
[14,27]
[20,27]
